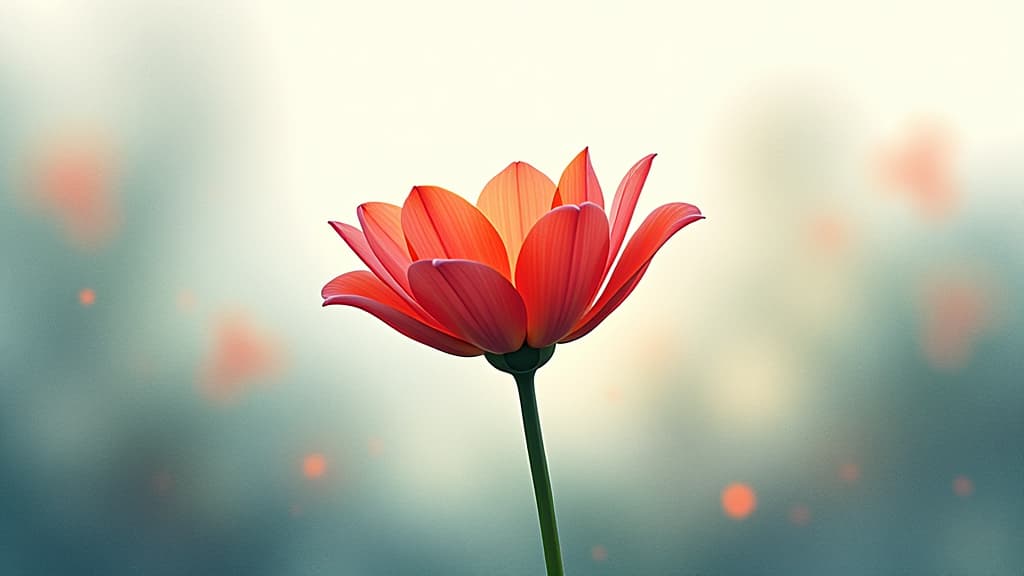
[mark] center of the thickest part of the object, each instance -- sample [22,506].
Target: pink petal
[513,201]
[439,224]
[560,270]
[578,183]
[472,300]
[661,225]
[624,203]
[363,290]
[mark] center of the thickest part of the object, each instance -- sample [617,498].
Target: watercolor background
[824,377]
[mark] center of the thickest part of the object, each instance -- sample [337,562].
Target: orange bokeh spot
[240,356]
[921,166]
[956,312]
[738,500]
[87,297]
[314,466]
[74,181]
[963,486]
[849,473]
[599,553]
[800,514]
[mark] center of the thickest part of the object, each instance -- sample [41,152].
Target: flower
[508,278]
[522,268]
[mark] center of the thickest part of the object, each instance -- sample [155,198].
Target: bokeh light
[738,500]
[800,514]
[314,466]
[240,356]
[920,165]
[73,181]
[963,486]
[957,311]
[849,473]
[87,296]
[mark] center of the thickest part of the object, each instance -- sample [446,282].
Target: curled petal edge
[391,314]
[636,258]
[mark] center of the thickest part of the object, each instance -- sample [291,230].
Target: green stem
[539,470]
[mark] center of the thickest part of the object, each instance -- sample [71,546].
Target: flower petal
[440,224]
[624,203]
[661,225]
[363,290]
[382,225]
[359,244]
[578,183]
[356,240]
[472,300]
[513,201]
[560,270]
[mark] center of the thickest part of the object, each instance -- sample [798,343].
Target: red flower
[523,266]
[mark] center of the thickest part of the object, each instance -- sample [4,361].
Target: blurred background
[821,378]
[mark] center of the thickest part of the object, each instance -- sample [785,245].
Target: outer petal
[661,225]
[356,240]
[560,270]
[624,203]
[382,224]
[363,290]
[439,224]
[472,300]
[578,183]
[513,201]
